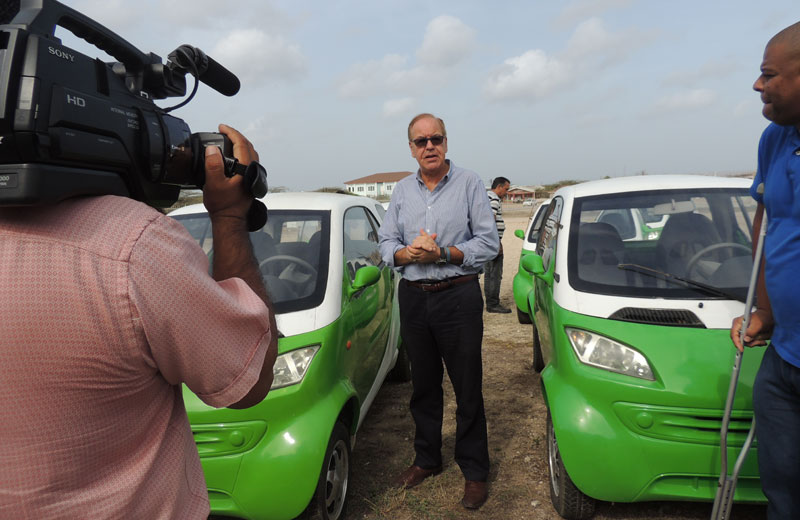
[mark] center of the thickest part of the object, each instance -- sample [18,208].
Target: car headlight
[600,351]
[291,367]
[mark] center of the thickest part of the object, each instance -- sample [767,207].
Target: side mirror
[519,234]
[535,266]
[365,276]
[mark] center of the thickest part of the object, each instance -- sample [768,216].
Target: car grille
[227,439]
[667,317]
[700,426]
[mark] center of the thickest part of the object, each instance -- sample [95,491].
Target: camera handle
[42,17]
[255,178]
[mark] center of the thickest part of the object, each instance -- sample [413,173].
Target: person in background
[107,310]
[493,270]
[439,232]
[776,390]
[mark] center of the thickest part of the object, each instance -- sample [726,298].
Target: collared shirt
[779,170]
[457,210]
[106,308]
[497,209]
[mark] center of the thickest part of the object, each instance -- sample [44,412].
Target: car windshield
[292,250]
[667,243]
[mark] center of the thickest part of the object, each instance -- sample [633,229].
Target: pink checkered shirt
[106,307]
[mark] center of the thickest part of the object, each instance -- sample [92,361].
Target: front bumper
[625,439]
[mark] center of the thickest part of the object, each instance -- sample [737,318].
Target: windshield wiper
[710,289]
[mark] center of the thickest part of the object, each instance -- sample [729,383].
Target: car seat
[600,251]
[625,227]
[683,236]
[263,245]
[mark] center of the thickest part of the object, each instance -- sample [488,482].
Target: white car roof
[650,182]
[715,313]
[298,200]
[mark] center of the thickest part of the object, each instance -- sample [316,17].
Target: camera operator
[107,308]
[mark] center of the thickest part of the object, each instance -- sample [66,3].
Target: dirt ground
[518,481]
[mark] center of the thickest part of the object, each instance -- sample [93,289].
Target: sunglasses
[422,142]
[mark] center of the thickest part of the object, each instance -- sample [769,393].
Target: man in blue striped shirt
[493,274]
[438,232]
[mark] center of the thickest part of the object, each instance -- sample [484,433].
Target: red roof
[380,177]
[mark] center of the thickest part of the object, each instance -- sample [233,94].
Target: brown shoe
[474,494]
[414,476]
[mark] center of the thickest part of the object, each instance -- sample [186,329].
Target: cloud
[686,100]
[257,57]
[588,8]
[535,74]
[389,75]
[398,107]
[448,41]
[591,39]
[531,75]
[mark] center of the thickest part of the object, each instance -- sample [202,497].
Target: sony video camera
[72,125]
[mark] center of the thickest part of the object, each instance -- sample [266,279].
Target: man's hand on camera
[227,196]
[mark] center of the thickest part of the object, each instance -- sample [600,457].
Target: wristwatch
[443,254]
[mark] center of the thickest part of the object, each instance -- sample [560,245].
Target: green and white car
[336,306]
[632,340]
[523,281]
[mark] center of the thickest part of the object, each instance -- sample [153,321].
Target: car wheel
[329,499]
[567,499]
[523,317]
[402,367]
[538,359]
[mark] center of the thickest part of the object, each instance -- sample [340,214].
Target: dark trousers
[446,326]
[776,403]
[492,276]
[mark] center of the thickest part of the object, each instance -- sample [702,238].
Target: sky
[536,91]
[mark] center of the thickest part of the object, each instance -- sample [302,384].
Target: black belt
[440,285]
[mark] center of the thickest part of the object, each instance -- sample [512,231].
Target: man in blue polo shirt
[438,232]
[776,391]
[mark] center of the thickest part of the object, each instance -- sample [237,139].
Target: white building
[376,185]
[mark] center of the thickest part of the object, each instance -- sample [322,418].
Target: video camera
[72,125]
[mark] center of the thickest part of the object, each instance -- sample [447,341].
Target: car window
[547,243]
[360,241]
[700,235]
[535,231]
[622,220]
[292,250]
[380,210]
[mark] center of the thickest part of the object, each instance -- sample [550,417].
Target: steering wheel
[288,258]
[713,247]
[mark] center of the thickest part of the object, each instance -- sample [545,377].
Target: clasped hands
[424,249]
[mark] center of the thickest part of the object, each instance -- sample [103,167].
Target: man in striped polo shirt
[493,269]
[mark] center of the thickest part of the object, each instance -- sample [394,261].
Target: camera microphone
[189,58]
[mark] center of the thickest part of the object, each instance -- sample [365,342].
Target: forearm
[456,255]
[233,255]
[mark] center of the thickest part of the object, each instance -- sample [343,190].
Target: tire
[538,359]
[567,499]
[330,498]
[401,372]
[523,317]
